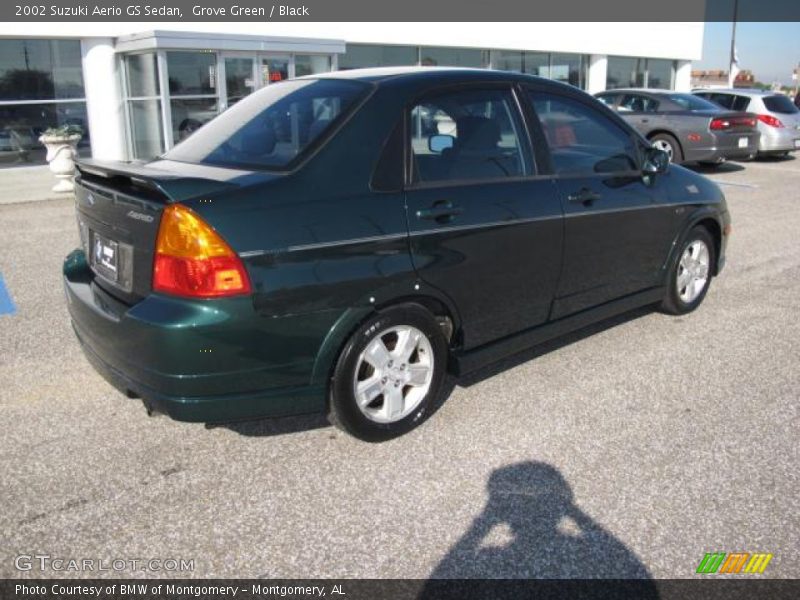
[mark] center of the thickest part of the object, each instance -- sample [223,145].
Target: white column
[683,76]
[103,98]
[598,69]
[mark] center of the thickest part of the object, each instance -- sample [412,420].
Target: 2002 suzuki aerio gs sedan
[338,243]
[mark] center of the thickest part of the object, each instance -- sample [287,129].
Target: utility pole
[731,75]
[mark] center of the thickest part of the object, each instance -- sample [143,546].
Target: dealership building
[136,89]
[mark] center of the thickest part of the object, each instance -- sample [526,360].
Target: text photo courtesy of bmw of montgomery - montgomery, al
[453,300]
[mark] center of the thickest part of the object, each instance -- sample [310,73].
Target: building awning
[189,40]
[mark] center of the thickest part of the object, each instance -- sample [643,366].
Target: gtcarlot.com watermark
[60,564]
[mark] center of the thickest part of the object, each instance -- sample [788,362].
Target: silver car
[778,117]
[687,128]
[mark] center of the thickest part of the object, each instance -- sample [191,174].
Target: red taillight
[193,260]
[718,124]
[770,120]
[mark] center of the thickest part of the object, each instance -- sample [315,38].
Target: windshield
[691,102]
[270,128]
[780,104]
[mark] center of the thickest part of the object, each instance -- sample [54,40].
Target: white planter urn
[61,154]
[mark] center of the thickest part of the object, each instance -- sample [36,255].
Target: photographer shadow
[532,529]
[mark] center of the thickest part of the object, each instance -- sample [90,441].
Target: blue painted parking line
[6,303]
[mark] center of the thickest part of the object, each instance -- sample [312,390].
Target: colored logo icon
[734,562]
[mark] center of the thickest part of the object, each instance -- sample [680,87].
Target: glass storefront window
[660,73]
[189,114]
[453,57]
[624,72]
[568,68]
[40,70]
[630,71]
[532,63]
[361,56]
[305,64]
[146,135]
[238,78]
[274,69]
[22,124]
[192,73]
[47,72]
[142,75]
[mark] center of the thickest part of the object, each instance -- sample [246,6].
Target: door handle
[442,211]
[645,120]
[585,196]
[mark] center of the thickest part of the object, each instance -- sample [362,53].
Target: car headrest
[477,134]
[258,142]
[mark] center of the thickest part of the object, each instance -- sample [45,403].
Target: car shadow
[295,424]
[777,159]
[720,169]
[529,354]
[531,528]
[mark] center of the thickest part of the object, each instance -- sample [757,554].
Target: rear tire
[389,374]
[690,274]
[667,143]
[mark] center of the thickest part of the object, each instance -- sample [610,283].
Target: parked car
[778,118]
[246,274]
[687,128]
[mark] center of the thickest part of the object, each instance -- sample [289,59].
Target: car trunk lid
[119,208]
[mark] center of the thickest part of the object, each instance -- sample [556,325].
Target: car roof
[737,91]
[379,74]
[631,90]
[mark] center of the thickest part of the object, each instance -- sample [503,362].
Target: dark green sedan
[340,243]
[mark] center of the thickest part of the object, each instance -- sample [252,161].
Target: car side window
[724,100]
[582,140]
[608,99]
[741,103]
[637,103]
[469,134]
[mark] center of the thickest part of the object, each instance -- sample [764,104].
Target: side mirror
[438,143]
[655,161]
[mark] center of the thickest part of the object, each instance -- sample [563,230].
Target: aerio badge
[139,216]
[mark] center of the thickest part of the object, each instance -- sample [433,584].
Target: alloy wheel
[393,374]
[693,269]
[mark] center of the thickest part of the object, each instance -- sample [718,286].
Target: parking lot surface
[630,449]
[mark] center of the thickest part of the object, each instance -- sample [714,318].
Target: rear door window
[638,103]
[582,140]
[608,99]
[469,134]
[724,100]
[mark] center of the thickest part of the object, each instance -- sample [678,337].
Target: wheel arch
[704,217]
[352,318]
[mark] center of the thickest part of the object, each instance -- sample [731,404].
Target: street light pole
[731,75]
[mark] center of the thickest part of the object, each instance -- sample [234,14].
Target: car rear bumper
[212,361]
[724,146]
[779,140]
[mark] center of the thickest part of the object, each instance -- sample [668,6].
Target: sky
[769,50]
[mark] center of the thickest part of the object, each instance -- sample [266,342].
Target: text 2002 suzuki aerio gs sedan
[338,243]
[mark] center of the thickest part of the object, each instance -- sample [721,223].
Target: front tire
[690,273]
[388,374]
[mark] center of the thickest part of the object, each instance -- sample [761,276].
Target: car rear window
[271,128]
[691,102]
[780,104]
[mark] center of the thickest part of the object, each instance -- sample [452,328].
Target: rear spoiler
[157,184]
